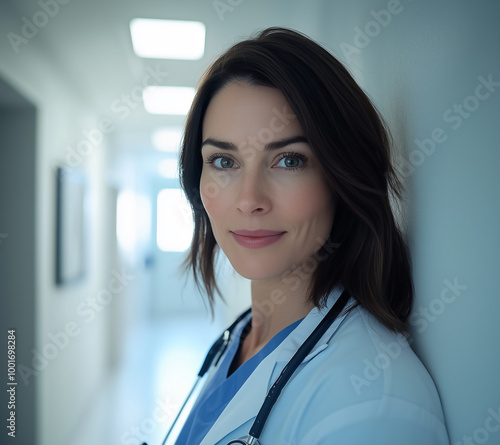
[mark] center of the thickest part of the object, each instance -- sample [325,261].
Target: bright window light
[133,220]
[167,139]
[168,168]
[125,225]
[168,100]
[168,39]
[174,229]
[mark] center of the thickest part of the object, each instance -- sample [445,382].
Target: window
[174,229]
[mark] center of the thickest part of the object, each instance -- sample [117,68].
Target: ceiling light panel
[168,39]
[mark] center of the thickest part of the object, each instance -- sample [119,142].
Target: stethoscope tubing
[292,365]
[218,348]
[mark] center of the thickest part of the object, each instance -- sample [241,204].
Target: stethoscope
[219,347]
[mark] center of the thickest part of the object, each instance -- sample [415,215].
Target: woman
[287,168]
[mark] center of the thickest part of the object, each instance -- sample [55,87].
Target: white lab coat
[360,385]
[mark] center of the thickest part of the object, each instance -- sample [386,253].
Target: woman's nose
[253,194]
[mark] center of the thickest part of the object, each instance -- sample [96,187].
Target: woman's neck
[274,307]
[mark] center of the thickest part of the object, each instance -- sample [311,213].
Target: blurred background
[93,227]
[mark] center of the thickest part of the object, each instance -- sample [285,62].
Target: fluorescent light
[167,139]
[168,168]
[168,100]
[168,39]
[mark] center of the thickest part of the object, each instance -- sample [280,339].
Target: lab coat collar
[247,401]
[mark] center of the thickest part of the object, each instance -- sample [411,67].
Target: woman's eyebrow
[268,147]
[219,144]
[284,142]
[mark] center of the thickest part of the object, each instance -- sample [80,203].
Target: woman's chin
[256,271]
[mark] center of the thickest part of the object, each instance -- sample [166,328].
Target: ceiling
[89,41]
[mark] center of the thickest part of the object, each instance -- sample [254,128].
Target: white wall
[66,383]
[429,57]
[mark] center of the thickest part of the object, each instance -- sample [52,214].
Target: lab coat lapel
[246,403]
[304,329]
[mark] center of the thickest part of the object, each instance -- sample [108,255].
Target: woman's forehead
[243,110]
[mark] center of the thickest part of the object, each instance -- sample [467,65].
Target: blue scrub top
[222,388]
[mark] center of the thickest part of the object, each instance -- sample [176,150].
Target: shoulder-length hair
[352,145]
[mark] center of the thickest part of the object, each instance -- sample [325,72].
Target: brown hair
[352,144]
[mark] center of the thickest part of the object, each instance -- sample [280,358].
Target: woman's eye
[290,161]
[222,162]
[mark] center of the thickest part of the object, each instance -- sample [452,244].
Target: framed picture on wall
[71,226]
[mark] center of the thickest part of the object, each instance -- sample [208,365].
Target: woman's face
[261,184]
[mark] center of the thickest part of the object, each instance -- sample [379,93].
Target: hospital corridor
[104,324]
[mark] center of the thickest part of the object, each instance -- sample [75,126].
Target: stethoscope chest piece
[248,440]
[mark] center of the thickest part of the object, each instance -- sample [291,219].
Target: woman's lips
[255,239]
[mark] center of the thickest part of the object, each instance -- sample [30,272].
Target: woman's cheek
[311,203]
[212,191]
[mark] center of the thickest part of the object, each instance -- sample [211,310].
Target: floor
[138,403]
